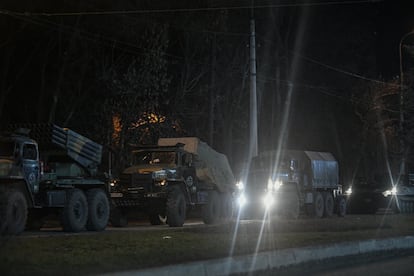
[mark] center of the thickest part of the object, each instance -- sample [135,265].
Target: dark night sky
[340,38]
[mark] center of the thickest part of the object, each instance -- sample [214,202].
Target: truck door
[31,166]
[189,174]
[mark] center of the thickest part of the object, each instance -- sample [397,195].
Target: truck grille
[136,183]
[257,181]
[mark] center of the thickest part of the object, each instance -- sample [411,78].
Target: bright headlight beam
[268,200]
[242,200]
[273,185]
[240,185]
[278,184]
[270,185]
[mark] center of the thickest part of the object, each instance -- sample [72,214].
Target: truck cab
[19,159]
[152,171]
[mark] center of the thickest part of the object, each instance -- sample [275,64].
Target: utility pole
[212,92]
[402,103]
[253,96]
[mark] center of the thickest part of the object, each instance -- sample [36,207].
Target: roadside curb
[275,259]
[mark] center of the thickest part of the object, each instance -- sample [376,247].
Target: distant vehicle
[55,170]
[366,196]
[401,195]
[167,180]
[292,182]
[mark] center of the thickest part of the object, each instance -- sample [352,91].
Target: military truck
[169,179]
[291,182]
[46,169]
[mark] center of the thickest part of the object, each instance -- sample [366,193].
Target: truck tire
[176,207]
[318,205]
[118,218]
[293,205]
[98,210]
[211,210]
[341,206]
[157,219]
[329,204]
[227,208]
[3,212]
[13,212]
[75,211]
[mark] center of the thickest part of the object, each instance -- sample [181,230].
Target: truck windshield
[154,157]
[6,148]
[268,164]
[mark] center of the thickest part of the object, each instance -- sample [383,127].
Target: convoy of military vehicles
[48,170]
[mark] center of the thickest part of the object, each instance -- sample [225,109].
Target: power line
[94,37]
[119,44]
[339,70]
[206,9]
[321,89]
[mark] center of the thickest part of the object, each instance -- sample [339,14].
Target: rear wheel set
[85,211]
[325,205]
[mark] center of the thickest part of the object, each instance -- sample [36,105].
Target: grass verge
[112,251]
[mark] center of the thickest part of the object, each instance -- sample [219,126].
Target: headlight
[241,200]
[112,183]
[240,185]
[348,191]
[393,191]
[274,185]
[268,200]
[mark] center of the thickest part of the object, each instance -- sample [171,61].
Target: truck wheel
[402,206]
[318,205]
[75,211]
[98,210]
[118,218]
[176,208]
[227,208]
[211,210]
[3,211]
[341,206]
[13,213]
[157,219]
[293,206]
[329,204]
